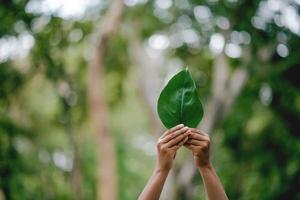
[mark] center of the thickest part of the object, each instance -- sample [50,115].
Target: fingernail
[180,125]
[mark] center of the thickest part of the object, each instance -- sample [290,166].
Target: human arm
[199,144]
[167,146]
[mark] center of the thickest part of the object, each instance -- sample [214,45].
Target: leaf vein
[182,97]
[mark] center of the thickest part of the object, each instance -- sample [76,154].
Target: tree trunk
[76,174]
[106,171]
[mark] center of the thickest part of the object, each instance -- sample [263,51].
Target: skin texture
[199,143]
[167,146]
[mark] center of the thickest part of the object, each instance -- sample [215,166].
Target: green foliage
[11,80]
[43,106]
[179,103]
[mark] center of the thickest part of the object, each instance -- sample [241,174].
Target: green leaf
[179,103]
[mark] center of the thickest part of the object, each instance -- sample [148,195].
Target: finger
[182,142]
[176,147]
[174,134]
[196,142]
[167,132]
[179,126]
[177,139]
[197,136]
[199,131]
[185,140]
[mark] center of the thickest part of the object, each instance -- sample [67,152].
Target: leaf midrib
[182,97]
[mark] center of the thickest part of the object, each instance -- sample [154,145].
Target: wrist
[162,170]
[206,166]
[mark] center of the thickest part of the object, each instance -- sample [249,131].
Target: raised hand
[199,144]
[169,143]
[167,146]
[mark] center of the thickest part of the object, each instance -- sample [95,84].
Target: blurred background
[79,81]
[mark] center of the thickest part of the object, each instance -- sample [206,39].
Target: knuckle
[174,133]
[181,136]
[169,137]
[179,139]
[183,130]
[207,142]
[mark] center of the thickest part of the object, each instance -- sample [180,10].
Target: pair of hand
[195,140]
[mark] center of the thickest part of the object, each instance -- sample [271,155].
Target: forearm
[213,185]
[154,186]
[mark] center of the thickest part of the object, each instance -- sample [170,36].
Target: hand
[168,144]
[199,144]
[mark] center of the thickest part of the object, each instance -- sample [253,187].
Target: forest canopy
[80,80]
